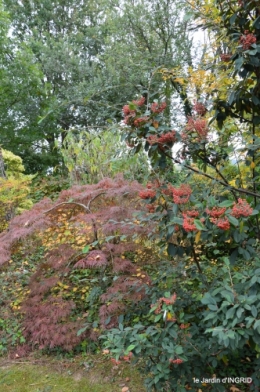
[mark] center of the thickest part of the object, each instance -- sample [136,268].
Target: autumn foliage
[87,234]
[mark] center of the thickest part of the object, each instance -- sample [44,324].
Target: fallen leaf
[234,389]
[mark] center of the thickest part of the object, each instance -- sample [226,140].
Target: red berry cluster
[150,208]
[241,208]
[184,326]
[131,113]
[147,194]
[198,125]
[182,194]
[166,138]
[216,212]
[247,39]
[177,361]
[167,301]
[221,223]
[158,107]
[188,224]
[140,101]
[199,108]
[128,114]
[188,220]
[152,139]
[225,57]
[169,137]
[140,121]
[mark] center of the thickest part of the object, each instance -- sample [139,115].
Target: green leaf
[255,100]
[178,350]
[80,331]
[212,307]
[254,311]
[230,313]
[256,120]
[209,316]
[233,19]
[208,299]
[239,312]
[177,220]
[199,225]
[226,203]
[233,220]
[85,250]
[257,325]
[238,63]
[130,348]
[157,317]
[250,321]
[172,249]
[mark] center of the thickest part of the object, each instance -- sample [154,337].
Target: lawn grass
[92,374]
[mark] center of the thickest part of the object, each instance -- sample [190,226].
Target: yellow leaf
[197,237]
[252,165]
[225,360]
[234,389]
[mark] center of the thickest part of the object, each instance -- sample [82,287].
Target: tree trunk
[2,166]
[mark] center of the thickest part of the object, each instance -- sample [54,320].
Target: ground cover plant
[43,374]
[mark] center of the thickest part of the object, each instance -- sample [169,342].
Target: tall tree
[63,39]
[90,57]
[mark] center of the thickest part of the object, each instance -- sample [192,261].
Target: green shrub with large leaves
[203,325]
[196,327]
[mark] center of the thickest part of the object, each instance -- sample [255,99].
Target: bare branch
[232,188]
[85,207]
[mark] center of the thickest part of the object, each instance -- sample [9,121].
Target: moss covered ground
[82,374]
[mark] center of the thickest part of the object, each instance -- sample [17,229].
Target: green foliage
[14,280]
[48,186]
[14,189]
[89,157]
[211,227]
[233,307]
[174,345]
[75,70]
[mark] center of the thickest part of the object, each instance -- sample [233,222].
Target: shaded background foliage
[74,65]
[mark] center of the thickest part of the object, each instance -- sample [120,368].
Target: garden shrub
[14,195]
[90,270]
[196,328]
